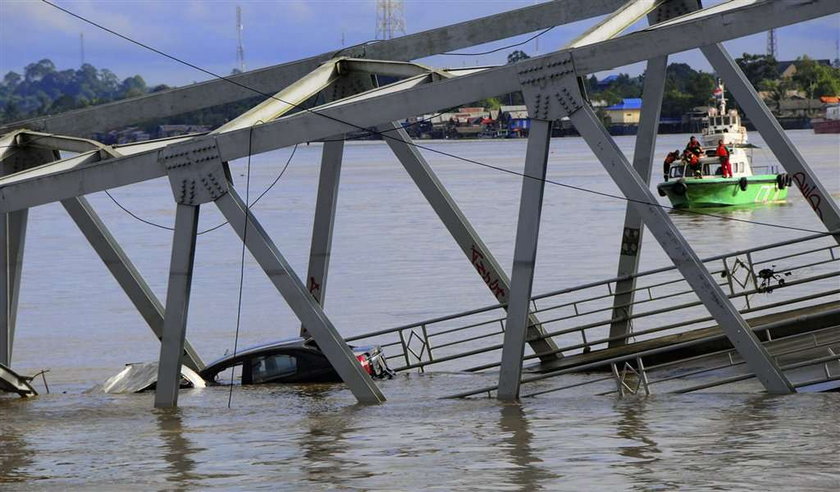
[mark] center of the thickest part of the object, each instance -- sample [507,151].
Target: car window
[272,367]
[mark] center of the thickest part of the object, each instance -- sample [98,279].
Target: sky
[204,33]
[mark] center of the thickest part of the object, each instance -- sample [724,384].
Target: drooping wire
[218,226]
[416,145]
[535,36]
[242,262]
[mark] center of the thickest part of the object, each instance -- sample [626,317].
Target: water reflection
[529,473]
[178,450]
[643,452]
[327,445]
[15,454]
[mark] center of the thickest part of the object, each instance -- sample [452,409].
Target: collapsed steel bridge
[34,172]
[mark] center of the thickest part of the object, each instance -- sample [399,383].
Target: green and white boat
[705,187]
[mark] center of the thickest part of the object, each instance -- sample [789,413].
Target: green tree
[516,56]
[758,67]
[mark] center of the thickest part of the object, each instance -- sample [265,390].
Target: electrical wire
[242,262]
[352,125]
[535,36]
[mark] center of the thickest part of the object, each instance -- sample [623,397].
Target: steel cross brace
[677,248]
[633,232]
[197,175]
[462,232]
[812,189]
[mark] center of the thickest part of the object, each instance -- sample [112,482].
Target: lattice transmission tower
[772,45]
[390,19]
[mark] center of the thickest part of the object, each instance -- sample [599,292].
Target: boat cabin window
[712,169]
[676,171]
[271,367]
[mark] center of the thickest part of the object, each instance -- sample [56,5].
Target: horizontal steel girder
[271,79]
[19,191]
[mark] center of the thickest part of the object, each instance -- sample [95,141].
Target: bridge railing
[759,281]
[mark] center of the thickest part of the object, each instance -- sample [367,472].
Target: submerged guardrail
[763,280]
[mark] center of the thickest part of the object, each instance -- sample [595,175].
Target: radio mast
[772,45]
[390,19]
[240,51]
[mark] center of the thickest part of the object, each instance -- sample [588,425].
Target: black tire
[742,183]
[781,181]
[679,187]
[661,191]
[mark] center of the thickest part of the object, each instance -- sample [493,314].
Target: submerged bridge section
[34,173]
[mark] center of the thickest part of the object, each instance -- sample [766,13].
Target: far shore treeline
[42,89]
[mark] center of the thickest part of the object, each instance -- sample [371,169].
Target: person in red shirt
[723,155]
[666,166]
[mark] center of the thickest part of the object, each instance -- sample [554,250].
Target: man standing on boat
[669,159]
[694,147]
[723,155]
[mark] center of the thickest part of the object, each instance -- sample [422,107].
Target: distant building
[787,69]
[627,112]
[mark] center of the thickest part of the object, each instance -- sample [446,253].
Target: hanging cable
[535,36]
[382,134]
[242,262]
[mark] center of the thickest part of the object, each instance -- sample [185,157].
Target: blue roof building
[627,112]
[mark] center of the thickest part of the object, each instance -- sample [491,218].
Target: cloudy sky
[203,32]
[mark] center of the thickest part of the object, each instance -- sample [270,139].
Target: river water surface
[392,263]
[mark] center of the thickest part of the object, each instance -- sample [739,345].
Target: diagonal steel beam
[817,196]
[299,300]
[680,252]
[124,272]
[271,79]
[462,231]
[22,191]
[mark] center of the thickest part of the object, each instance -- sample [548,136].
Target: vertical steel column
[462,231]
[124,271]
[12,239]
[631,239]
[300,301]
[177,305]
[680,252]
[322,228]
[814,192]
[524,258]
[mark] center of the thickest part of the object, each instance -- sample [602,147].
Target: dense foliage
[43,90]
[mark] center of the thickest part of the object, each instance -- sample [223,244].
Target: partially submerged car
[137,377]
[298,360]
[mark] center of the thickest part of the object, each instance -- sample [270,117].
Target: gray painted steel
[659,40]
[817,196]
[12,239]
[524,258]
[124,272]
[680,252]
[299,300]
[633,232]
[322,228]
[459,227]
[272,79]
[177,306]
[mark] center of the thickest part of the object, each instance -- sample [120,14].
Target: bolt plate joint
[196,171]
[550,87]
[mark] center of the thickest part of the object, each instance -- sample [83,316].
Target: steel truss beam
[280,273]
[177,305]
[812,189]
[322,228]
[124,272]
[21,191]
[524,258]
[462,231]
[633,232]
[271,79]
[680,252]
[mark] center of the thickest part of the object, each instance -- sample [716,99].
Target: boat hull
[826,126]
[723,192]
